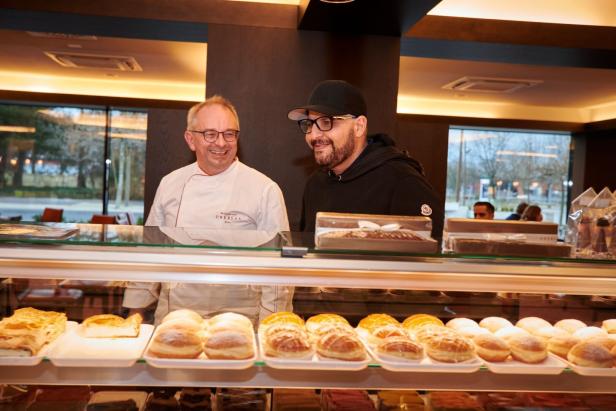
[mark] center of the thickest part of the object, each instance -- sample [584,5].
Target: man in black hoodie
[359,173]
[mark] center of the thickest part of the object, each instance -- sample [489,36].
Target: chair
[103,219]
[125,218]
[52,215]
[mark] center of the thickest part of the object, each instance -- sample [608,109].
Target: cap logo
[426,210]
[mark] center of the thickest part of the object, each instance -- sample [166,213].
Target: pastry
[111,326]
[546,333]
[589,354]
[491,348]
[457,323]
[570,325]
[117,401]
[494,324]
[282,317]
[472,332]
[26,331]
[196,399]
[449,347]
[229,339]
[588,332]
[527,348]
[230,320]
[417,321]
[317,321]
[373,321]
[532,324]
[560,345]
[377,334]
[345,346]
[427,333]
[609,326]
[183,314]
[162,400]
[401,347]
[287,340]
[177,338]
[507,332]
[606,342]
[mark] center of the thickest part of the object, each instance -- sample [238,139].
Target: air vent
[94,61]
[62,36]
[490,84]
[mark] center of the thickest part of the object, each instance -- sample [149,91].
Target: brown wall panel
[599,170]
[265,72]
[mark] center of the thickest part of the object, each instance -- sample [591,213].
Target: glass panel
[50,157]
[506,168]
[127,168]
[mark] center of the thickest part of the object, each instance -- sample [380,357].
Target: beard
[333,155]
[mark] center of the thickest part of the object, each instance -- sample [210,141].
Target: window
[506,168]
[52,156]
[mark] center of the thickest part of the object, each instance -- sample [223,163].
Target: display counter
[352,283]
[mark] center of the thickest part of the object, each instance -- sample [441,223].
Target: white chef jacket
[239,198]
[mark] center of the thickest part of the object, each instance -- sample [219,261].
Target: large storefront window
[54,157]
[506,168]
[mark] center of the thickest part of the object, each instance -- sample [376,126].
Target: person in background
[532,213]
[518,212]
[483,210]
[359,173]
[216,192]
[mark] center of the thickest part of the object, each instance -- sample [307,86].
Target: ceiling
[174,69]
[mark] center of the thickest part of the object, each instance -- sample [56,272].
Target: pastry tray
[552,365]
[75,350]
[313,362]
[44,352]
[593,371]
[426,364]
[201,362]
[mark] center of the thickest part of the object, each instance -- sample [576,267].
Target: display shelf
[267,267]
[373,377]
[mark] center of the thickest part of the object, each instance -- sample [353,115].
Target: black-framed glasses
[211,135]
[324,123]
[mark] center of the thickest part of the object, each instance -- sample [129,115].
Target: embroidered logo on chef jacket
[426,210]
[232,217]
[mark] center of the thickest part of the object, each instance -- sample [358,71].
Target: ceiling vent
[490,84]
[94,61]
[61,36]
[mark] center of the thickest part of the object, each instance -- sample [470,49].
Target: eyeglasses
[211,135]
[324,123]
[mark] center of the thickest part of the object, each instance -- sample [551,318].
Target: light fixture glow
[18,129]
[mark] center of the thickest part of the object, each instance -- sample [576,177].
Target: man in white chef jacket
[216,192]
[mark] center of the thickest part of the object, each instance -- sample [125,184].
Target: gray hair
[214,100]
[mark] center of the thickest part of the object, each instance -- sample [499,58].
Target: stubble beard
[335,155]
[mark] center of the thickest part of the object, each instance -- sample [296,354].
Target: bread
[491,348]
[472,332]
[605,341]
[282,317]
[183,314]
[345,347]
[401,347]
[457,323]
[177,338]
[609,326]
[527,348]
[613,352]
[450,348]
[111,326]
[560,345]
[417,321]
[373,321]
[589,354]
[287,340]
[229,336]
[494,324]
[570,325]
[507,332]
[319,320]
[546,333]
[377,335]
[427,333]
[588,332]
[532,324]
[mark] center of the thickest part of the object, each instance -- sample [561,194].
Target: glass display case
[85,273]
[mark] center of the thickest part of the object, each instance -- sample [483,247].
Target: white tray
[313,362]
[202,361]
[552,365]
[75,350]
[593,371]
[44,352]
[426,364]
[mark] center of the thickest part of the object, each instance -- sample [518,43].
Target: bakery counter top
[373,377]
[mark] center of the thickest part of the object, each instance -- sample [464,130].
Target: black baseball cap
[332,98]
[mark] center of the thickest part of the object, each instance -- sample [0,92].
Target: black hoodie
[382,180]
